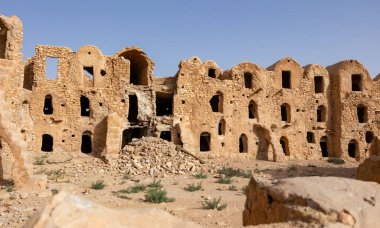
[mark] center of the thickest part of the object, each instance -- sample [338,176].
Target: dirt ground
[77,176]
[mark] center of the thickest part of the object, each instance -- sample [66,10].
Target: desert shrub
[99,184]
[9,188]
[193,187]
[55,174]
[232,188]
[214,204]
[155,184]
[336,160]
[157,195]
[133,189]
[231,172]
[126,176]
[39,161]
[224,180]
[54,191]
[200,175]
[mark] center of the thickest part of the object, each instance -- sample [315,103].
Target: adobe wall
[95,104]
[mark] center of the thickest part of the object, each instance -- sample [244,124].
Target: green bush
[9,188]
[98,185]
[134,189]
[200,175]
[193,187]
[231,172]
[54,191]
[157,195]
[335,160]
[39,161]
[214,204]
[155,184]
[224,180]
[55,174]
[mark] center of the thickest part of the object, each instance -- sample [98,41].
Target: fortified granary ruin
[97,104]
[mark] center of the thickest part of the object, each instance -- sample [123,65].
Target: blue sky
[228,32]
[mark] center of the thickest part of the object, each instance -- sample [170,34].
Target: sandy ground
[77,176]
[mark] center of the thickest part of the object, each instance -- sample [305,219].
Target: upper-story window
[48,105]
[318,84]
[286,79]
[212,73]
[248,80]
[356,81]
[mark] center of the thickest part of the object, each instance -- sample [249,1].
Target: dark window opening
[212,73]
[352,148]
[285,113]
[252,110]
[356,80]
[164,104]
[318,84]
[222,127]
[286,79]
[51,68]
[47,143]
[84,106]
[86,146]
[248,80]
[216,102]
[323,145]
[89,71]
[138,74]
[369,136]
[243,144]
[166,135]
[321,114]
[48,105]
[103,72]
[3,40]
[285,145]
[131,133]
[310,137]
[204,141]
[362,114]
[133,108]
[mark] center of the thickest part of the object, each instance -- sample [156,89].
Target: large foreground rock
[326,200]
[369,170]
[71,211]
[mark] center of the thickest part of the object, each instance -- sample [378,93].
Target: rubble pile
[154,156]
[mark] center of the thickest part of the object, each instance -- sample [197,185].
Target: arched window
[321,114]
[285,112]
[323,144]
[248,80]
[205,142]
[285,145]
[369,136]
[47,143]
[252,110]
[138,67]
[243,143]
[48,105]
[86,146]
[353,148]
[216,102]
[222,127]
[84,106]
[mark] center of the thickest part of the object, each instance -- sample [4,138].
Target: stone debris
[154,157]
[369,170]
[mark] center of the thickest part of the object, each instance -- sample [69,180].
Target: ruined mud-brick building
[95,104]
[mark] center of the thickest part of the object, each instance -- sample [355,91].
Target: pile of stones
[155,157]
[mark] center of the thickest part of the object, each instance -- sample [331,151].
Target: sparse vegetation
[155,184]
[224,180]
[99,184]
[9,188]
[232,188]
[55,174]
[336,161]
[214,204]
[292,168]
[157,195]
[134,189]
[54,191]
[193,187]
[39,160]
[121,195]
[126,176]
[200,175]
[231,172]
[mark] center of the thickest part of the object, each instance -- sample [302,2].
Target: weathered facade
[95,104]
